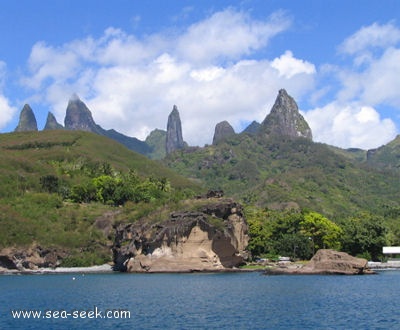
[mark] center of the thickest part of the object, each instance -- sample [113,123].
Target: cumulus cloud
[7,111]
[288,66]
[372,36]
[350,125]
[228,35]
[131,83]
[375,81]
[368,84]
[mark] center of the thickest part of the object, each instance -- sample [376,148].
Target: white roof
[391,250]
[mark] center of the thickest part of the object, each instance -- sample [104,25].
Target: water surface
[204,301]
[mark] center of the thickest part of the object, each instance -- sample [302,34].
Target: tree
[323,233]
[259,231]
[83,193]
[364,233]
[105,188]
[287,236]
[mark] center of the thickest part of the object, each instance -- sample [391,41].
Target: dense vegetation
[293,177]
[299,234]
[298,195]
[55,184]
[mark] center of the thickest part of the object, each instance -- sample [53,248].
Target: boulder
[327,262]
[211,238]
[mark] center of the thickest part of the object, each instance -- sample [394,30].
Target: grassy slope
[29,215]
[273,172]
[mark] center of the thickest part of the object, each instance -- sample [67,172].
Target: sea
[248,300]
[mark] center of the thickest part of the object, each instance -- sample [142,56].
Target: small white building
[391,250]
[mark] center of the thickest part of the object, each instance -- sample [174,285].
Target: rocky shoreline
[276,268]
[99,269]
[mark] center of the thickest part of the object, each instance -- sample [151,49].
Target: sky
[131,61]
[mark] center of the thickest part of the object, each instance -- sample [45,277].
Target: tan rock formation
[327,261]
[211,239]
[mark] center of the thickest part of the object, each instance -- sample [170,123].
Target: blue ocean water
[202,301]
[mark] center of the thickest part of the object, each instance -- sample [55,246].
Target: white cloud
[228,35]
[288,66]
[376,81]
[372,36]
[380,81]
[350,126]
[7,111]
[131,84]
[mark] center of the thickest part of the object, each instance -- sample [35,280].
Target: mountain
[27,120]
[79,117]
[156,141]
[386,157]
[222,131]
[174,139]
[253,128]
[285,119]
[51,122]
[281,167]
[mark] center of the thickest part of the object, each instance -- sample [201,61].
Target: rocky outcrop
[174,139]
[211,238]
[327,262]
[51,123]
[79,118]
[253,128]
[31,258]
[27,120]
[222,131]
[285,119]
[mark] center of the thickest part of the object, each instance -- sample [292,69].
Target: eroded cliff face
[30,258]
[212,238]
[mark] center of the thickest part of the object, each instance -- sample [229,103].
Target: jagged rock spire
[27,120]
[285,119]
[174,139]
[51,122]
[79,117]
[222,131]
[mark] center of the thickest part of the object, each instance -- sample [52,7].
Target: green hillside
[386,157]
[279,172]
[56,184]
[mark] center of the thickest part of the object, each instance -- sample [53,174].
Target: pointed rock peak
[27,120]
[285,119]
[222,131]
[253,128]
[174,139]
[51,122]
[74,97]
[79,117]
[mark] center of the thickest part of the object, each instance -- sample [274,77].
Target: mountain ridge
[283,119]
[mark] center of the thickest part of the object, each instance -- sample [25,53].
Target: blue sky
[131,61]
